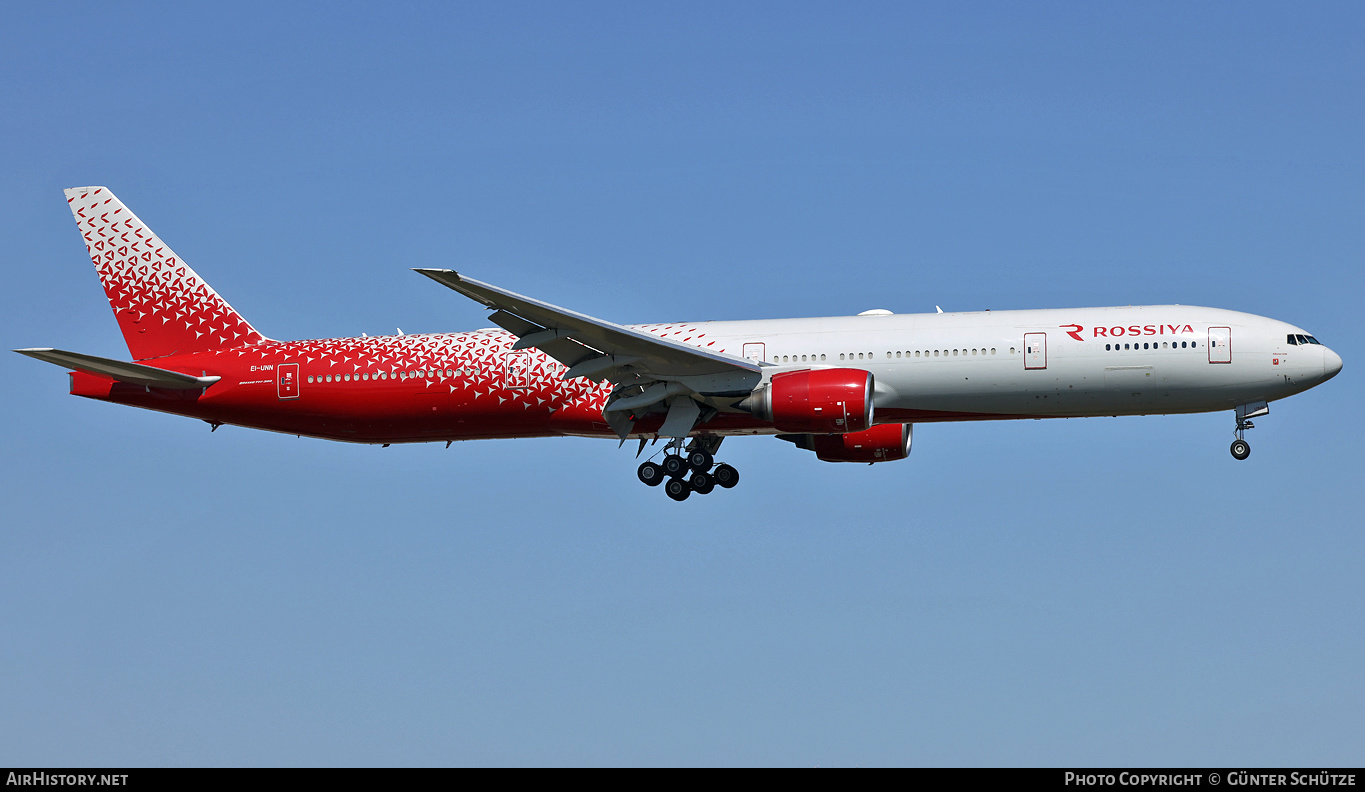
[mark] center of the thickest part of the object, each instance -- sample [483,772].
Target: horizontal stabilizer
[133,373]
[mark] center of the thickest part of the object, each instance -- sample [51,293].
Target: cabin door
[518,370]
[1220,344]
[1035,351]
[287,380]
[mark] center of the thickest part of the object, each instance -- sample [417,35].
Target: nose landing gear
[683,472]
[1241,449]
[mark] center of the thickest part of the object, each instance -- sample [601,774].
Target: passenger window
[1011,350]
[822,357]
[992,350]
[1106,347]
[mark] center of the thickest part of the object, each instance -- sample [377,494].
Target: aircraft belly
[1077,387]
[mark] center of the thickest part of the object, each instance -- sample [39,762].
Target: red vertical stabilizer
[163,307]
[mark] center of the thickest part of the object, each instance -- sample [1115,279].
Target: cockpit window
[1313,340]
[1292,340]
[1302,339]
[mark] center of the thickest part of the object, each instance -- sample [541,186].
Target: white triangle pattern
[163,307]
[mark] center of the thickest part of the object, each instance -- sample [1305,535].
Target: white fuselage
[1042,363]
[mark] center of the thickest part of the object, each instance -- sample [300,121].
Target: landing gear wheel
[699,460]
[702,483]
[651,474]
[677,489]
[725,476]
[1241,449]
[675,466]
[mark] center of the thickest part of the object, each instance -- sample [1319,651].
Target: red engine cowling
[885,443]
[818,401]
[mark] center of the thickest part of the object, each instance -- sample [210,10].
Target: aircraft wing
[581,341]
[133,373]
[650,373]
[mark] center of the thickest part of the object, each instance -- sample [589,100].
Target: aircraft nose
[1331,363]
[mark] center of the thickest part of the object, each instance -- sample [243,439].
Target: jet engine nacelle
[818,401]
[884,443]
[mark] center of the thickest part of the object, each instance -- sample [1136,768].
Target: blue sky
[1100,591]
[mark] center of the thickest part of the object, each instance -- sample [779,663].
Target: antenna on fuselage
[940,310]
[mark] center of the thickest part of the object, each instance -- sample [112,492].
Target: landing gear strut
[1241,449]
[693,469]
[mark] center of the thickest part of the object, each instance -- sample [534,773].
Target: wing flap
[565,350]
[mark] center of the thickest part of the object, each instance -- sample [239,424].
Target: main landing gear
[698,460]
[1241,449]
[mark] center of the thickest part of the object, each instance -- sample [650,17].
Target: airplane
[848,388]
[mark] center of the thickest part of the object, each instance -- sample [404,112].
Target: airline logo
[1076,331]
